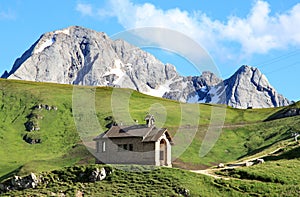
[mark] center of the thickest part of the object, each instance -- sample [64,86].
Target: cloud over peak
[257,33]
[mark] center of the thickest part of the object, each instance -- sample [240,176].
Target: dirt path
[211,171]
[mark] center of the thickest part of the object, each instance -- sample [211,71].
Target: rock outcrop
[77,55]
[20,183]
[67,175]
[32,136]
[248,88]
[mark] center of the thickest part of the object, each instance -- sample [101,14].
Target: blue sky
[259,33]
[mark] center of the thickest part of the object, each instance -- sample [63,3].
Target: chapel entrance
[163,153]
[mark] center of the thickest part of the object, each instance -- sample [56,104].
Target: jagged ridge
[77,55]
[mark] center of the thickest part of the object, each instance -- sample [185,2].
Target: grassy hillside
[245,132]
[289,111]
[135,181]
[279,178]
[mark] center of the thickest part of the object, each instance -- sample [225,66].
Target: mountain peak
[246,68]
[254,75]
[210,78]
[77,55]
[248,87]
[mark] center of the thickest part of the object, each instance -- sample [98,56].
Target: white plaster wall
[157,150]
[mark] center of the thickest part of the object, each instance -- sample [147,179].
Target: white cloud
[257,33]
[85,9]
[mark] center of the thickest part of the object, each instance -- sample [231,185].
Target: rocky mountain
[77,55]
[248,87]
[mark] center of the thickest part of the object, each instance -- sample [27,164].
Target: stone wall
[142,153]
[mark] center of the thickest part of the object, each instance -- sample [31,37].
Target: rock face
[77,55]
[68,175]
[248,87]
[82,56]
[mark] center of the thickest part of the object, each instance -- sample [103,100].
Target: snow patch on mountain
[116,71]
[159,91]
[63,31]
[44,45]
[216,94]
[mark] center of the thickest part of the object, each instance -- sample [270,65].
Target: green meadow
[84,112]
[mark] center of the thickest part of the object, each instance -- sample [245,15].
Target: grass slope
[128,181]
[245,132]
[278,178]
